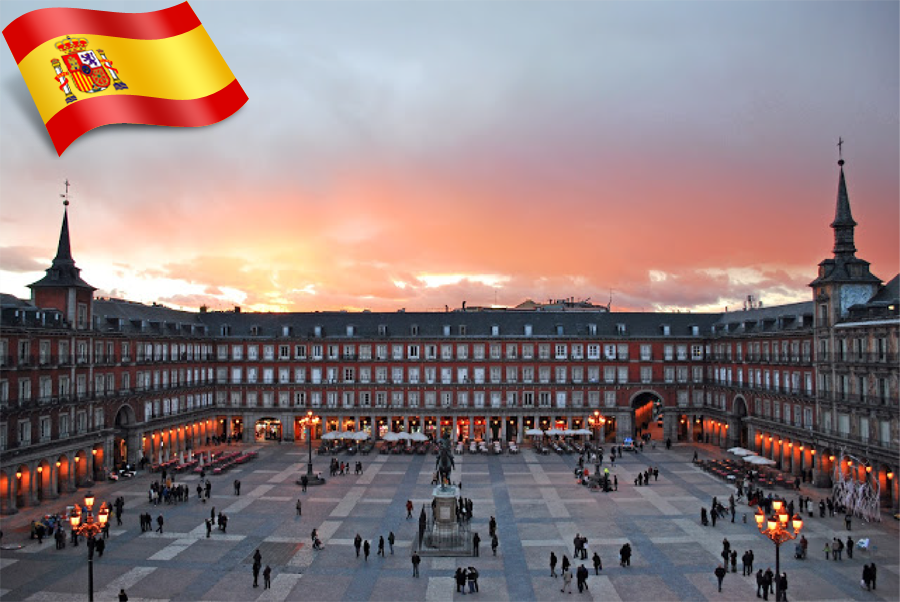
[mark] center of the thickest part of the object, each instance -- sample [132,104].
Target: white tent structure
[330,436]
[391,437]
[535,432]
[740,451]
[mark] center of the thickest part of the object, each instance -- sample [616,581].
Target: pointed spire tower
[845,280]
[62,287]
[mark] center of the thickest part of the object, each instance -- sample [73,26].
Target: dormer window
[446,330]
[414,330]
[592,330]
[560,330]
[226,330]
[317,331]
[666,330]
[382,330]
[528,330]
[495,330]
[620,329]
[255,331]
[351,330]
[286,331]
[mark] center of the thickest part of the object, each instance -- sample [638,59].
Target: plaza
[538,506]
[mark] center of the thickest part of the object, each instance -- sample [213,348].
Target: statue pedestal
[445,510]
[445,535]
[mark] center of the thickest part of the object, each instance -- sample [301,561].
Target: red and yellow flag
[87,68]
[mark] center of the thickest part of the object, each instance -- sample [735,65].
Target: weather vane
[66,195]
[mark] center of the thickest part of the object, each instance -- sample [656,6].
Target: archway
[43,484]
[643,407]
[6,506]
[268,429]
[739,411]
[124,418]
[23,485]
[62,474]
[81,468]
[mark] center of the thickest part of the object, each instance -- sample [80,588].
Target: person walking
[366,549]
[391,541]
[827,551]
[380,551]
[873,574]
[567,580]
[123,597]
[582,576]
[760,584]
[849,548]
[357,543]
[299,508]
[720,575]
[267,577]
[409,509]
[847,520]
[208,528]
[565,563]
[476,541]
[734,561]
[552,564]
[494,543]
[598,564]
[415,562]
[256,568]
[159,522]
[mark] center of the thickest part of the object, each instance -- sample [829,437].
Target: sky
[670,156]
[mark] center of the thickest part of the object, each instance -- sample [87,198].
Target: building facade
[87,385]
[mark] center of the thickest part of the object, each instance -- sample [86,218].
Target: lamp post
[775,527]
[84,524]
[309,420]
[597,421]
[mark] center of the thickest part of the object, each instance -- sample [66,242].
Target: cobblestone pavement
[538,507]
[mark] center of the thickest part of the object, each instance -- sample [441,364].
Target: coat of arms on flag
[90,71]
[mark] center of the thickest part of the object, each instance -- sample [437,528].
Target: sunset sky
[418,154]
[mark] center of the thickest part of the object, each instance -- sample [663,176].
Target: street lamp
[597,421]
[775,528]
[309,420]
[83,524]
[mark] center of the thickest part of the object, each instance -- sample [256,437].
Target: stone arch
[63,473]
[83,462]
[6,499]
[125,416]
[124,435]
[43,481]
[24,482]
[740,434]
[642,405]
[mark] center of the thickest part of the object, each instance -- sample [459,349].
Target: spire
[843,223]
[63,273]
[64,249]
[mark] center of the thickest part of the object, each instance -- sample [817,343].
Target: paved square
[538,506]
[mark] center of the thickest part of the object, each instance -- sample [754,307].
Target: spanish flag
[87,68]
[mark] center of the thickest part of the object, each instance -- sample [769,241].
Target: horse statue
[444,462]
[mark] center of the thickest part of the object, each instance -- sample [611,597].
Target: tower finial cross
[839,145]
[66,195]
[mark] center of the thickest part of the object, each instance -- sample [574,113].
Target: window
[609,399]
[561,352]
[24,432]
[462,352]
[593,352]
[495,352]
[668,353]
[622,373]
[397,352]
[646,374]
[646,353]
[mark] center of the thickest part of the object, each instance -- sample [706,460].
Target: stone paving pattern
[538,506]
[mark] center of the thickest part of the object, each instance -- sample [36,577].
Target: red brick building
[87,384]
